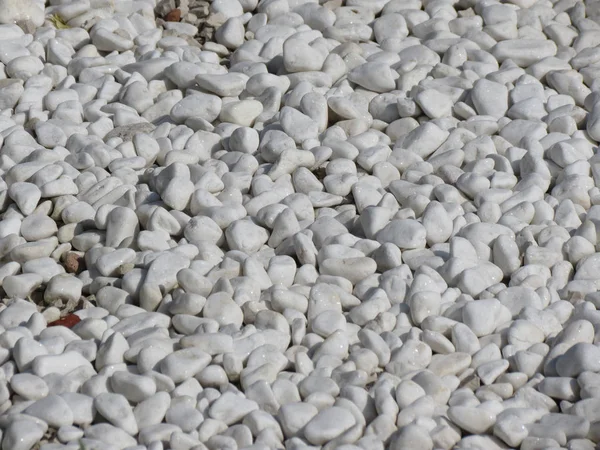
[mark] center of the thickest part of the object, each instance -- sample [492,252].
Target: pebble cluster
[359,224]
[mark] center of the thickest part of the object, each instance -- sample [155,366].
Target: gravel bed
[299,224]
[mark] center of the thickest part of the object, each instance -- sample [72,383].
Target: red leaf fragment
[69,321]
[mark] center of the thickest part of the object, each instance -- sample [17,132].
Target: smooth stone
[328,424]
[226,85]
[116,409]
[135,388]
[581,357]
[231,408]
[523,52]
[29,386]
[59,364]
[22,435]
[294,416]
[242,112]
[205,106]
[184,364]
[405,233]
[472,420]
[152,410]
[53,410]
[489,98]
[298,126]
[374,76]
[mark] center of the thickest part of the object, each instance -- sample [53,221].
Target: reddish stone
[68,321]
[73,262]
[173,16]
